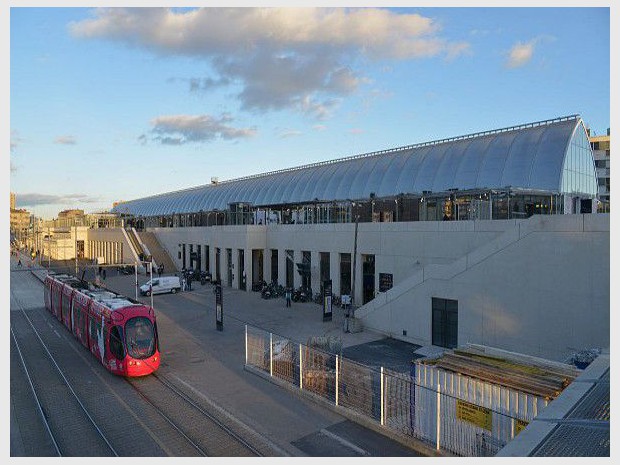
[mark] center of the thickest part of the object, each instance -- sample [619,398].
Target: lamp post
[151,271]
[75,244]
[357,217]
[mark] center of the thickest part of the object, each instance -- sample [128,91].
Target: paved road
[210,363]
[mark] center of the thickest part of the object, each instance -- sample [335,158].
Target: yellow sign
[520,425]
[479,416]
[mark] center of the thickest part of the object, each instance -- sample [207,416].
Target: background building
[601,152]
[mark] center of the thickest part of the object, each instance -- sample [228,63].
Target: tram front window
[140,337]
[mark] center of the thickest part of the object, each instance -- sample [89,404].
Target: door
[445,323]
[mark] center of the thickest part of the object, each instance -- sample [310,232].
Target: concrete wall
[538,286]
[541,288]
[106,239]
[399,248]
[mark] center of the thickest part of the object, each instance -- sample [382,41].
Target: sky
[117,104]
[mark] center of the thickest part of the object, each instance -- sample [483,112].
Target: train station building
[491,238]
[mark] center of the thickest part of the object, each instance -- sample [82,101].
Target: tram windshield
[140,337]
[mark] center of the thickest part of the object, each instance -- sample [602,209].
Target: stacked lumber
[525,374]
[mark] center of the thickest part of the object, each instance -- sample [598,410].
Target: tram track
[210,435]
[62,412]
[176,424]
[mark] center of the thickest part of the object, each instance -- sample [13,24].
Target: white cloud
[281,57]
[182,129]
[33,200]
[290,133]
[65,140]
[521,54]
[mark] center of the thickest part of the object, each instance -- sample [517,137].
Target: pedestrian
[19,262]
[159,271]
[162,268]
[183,283]
[189,282]
[288,296]
[103,273]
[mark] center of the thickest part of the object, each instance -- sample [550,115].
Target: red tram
[119,331]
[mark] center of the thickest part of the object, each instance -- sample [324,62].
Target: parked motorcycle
[205,277]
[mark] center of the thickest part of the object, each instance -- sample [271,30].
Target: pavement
[211,364]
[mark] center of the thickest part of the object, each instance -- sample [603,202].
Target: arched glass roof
[552,156]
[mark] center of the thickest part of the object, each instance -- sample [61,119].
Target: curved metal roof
[531,156]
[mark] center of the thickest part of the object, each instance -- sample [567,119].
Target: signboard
[385,281]
[520,425]
[219,308]
[327,300]
[479,416]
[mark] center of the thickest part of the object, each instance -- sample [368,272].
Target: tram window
[93,328]
[140,337]
[116,343]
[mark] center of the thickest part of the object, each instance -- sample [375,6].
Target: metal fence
[461,416]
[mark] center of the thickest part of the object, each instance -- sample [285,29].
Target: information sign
[327,300]
[479,416]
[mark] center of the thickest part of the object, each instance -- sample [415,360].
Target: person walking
[189,282]
[288,296]
[183,283]
[159,270]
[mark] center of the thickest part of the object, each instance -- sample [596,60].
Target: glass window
[116,343]
[140,337]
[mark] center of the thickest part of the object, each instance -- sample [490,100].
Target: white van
[162,285]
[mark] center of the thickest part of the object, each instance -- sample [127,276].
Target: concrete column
[359,291]
[334,271]
[267,265]
[282,267]
[315,271]
[248,269]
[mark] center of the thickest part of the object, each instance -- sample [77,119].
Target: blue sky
[118,104]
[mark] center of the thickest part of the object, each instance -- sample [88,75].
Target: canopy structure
[551,156]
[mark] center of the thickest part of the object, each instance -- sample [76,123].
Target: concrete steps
[160,256]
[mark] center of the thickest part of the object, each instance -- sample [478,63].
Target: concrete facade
[538,286]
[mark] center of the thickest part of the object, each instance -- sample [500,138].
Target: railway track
[209,435]
[80,404]
[67,420]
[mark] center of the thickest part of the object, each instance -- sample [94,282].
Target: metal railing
[431,414]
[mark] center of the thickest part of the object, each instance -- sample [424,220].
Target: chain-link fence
[462,416]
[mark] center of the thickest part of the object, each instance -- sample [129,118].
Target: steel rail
[36,397]
[53,360]
[167,418]
[210,416]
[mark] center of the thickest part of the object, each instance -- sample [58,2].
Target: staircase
[370,312]
[135,242]
[160,256]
